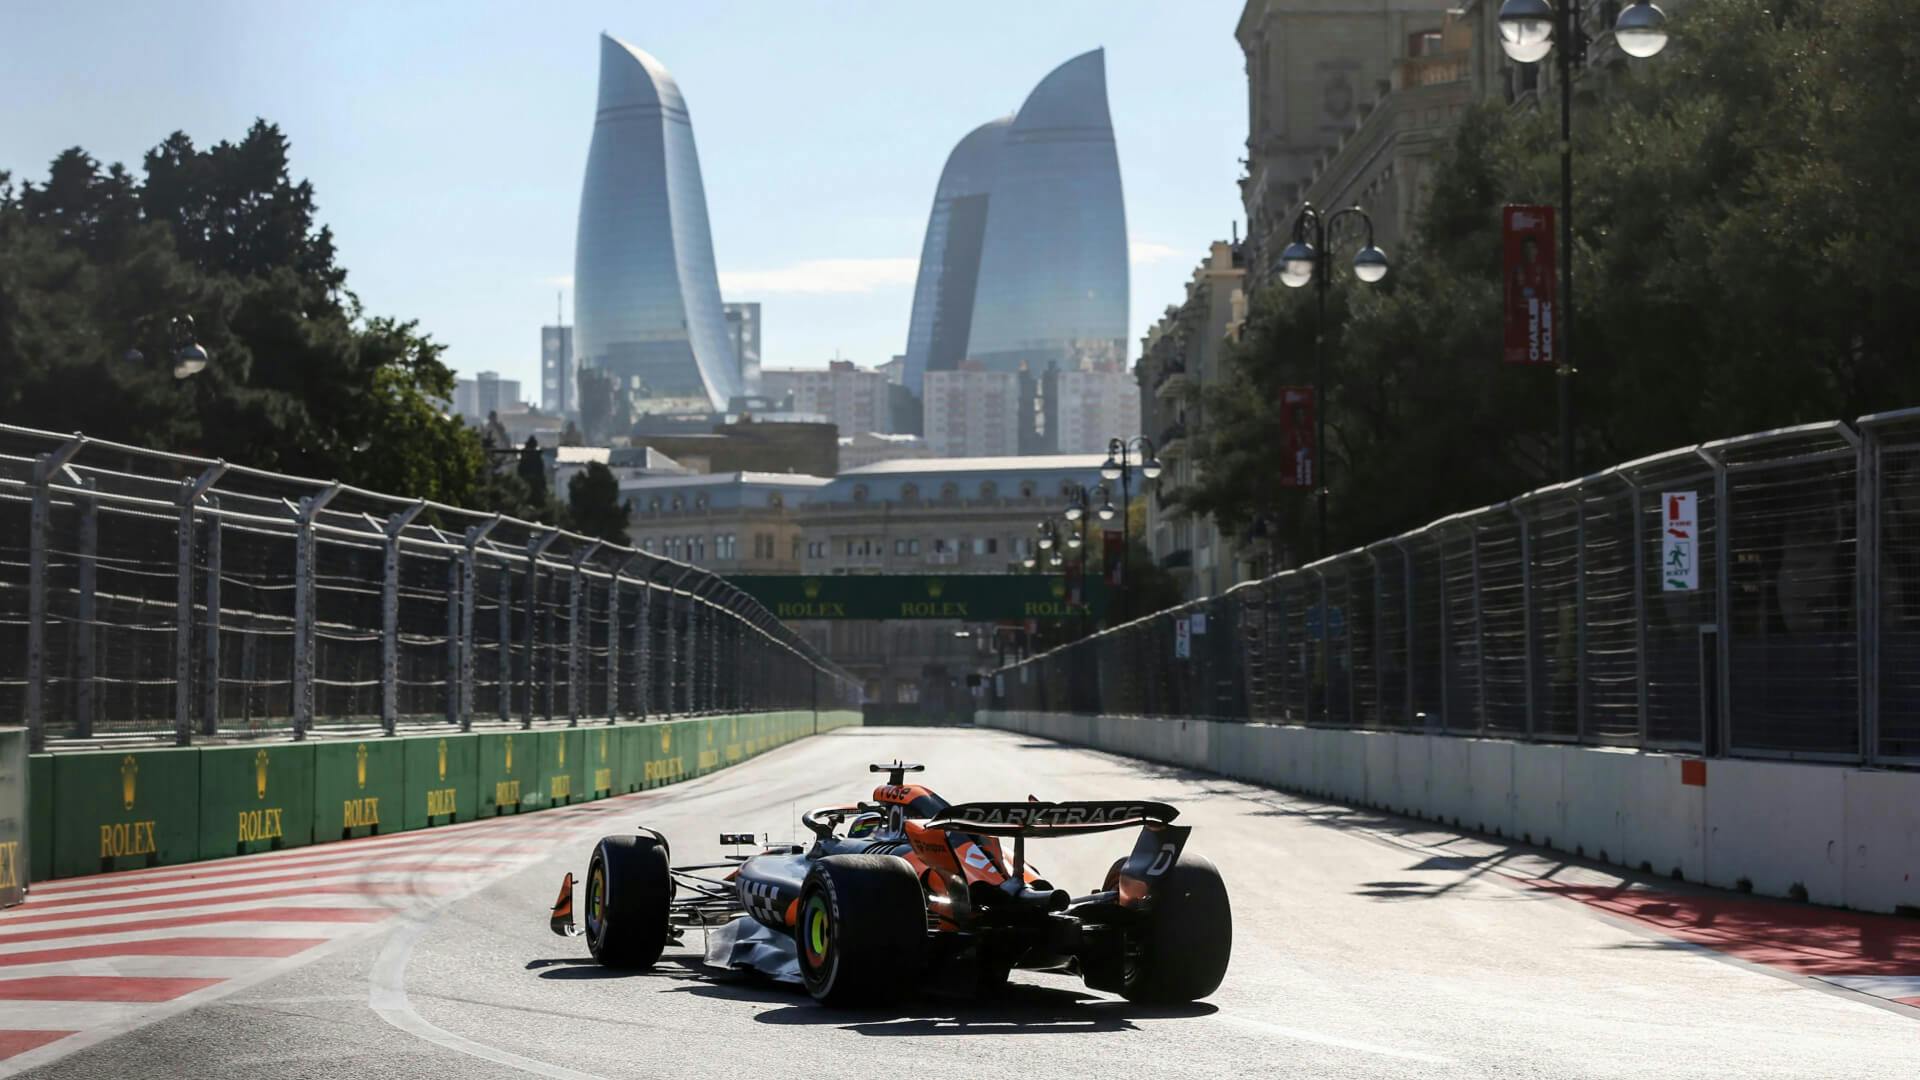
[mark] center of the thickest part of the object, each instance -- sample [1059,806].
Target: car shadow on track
[1018,1009]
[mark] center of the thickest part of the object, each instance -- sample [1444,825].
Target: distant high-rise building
[1024,265]
[557,386]
[973,412]
[852,397]
[647,308]
[474,399]
[743,329]
[1090,407]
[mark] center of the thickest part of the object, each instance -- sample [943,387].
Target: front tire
[1184,946]
[629,893]
[862,928]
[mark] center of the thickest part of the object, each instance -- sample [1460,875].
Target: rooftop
[929,466]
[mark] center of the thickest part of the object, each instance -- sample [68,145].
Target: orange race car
[915,886]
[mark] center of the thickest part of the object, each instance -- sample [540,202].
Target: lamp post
[188,355]
[1120,466]
[1528,29]
[1309,259]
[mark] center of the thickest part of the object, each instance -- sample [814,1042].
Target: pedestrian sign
[1679,542]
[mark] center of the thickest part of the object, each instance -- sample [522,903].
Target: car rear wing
[1043,819]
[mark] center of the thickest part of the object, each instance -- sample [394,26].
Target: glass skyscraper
[649,334]
[1024,266]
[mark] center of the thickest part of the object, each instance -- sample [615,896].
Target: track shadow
[1021,1009]
[583,967]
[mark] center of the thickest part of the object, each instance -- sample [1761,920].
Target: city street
[1364,946]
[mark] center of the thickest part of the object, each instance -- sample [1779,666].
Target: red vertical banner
[1301,464]
[1527,264]
[1113,554]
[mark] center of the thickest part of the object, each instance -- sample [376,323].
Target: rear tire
[629,893]
[1187,939]
[862,928]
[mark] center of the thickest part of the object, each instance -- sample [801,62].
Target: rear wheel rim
[596,901]
[816,933]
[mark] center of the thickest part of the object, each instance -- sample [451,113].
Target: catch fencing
[154,595]
[1756,596]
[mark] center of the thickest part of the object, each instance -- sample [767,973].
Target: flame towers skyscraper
[1024,265]
[649,331]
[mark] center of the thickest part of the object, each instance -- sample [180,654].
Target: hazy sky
[446,140]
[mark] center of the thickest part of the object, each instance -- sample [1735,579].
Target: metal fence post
[453,641]
[1580,692]
[643,648]
[210,662]
[85,706]
[1528,659]
[1866,578]
[303,554]
[190,492]
[576,651]
[390,617]
[1445,707]
[536,546]
[469,594]
[1722,605]
[1479,631]
[1639,607]
[613,638]
[504,676]
[1406,606]
[40,538]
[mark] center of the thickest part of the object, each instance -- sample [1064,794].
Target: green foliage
[96,263]
[593,504]
[1742,262]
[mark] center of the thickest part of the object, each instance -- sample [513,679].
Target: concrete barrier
[16,800]
[89,812]
[1826,833]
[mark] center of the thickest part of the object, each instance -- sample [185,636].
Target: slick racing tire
[628,894]
[1188,935]
[862,928]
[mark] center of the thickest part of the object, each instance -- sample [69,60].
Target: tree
[532,469]
[1742,223]
[593,504]
[95,264]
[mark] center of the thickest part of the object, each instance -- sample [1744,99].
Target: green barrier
[97,811]
[559,770]
[442,780]
[602,762]
[255,798]
[40,816]
[124,811]
[506,772]
[15,792]
[358,788]
[630,744]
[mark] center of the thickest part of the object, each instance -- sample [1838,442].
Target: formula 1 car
[916,886]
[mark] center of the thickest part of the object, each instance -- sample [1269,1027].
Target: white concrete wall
[1849,837]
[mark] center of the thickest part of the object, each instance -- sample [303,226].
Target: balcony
[1173,440]
[1171,380]
[1416,71]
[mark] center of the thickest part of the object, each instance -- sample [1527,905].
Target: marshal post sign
[968,597]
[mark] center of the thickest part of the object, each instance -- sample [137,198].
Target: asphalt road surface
[1363,946]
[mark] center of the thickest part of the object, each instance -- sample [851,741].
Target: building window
[679,503]
[647,544]
[899,546]
[907,693]
[697,548]
[653,505]
[700,501]
[1027,489]
[949,491]
[989,490]
[909,492]
[724,546]
[776,500]
[859,493]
